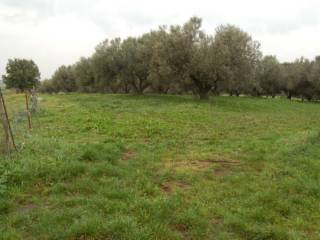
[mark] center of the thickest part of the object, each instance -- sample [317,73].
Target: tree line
[185,59]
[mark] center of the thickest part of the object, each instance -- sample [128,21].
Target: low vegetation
[103,166]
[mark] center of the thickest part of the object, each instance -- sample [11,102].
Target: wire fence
[15,115]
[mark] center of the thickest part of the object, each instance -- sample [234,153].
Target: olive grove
[185,59]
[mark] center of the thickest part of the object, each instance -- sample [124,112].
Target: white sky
[56,32]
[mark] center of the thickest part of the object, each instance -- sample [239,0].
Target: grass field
[163,167]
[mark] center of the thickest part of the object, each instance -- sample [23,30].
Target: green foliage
[136,59]
[114,166]
[240,56]
[106,66]
[21,74]
[64,80]
[84,75]
[192,58]
[185,59]
[269,75]
[181,59]
[47,86]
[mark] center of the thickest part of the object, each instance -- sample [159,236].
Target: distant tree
[107,66]
[240,56]
[290,78]
[191,58]
[299,79]
[184,59]
[47,86]
[315,76]
[21,74]
[270,76]
[254,88]
[63,79]
[305,87]
[84,75]
[136,62]
[161,74]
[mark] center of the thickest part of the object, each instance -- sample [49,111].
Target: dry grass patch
[220,165]
[26,208]
[170,187]
[188,165]
[128,155]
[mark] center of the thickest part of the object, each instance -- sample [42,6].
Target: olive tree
[290,78]
[190,54]
[47,86]
[240,55]
[270,76]
[305,86]
[136,58]
[63,79]
[84,75]
[21,74]
[161,73]
[315,76]
[107,65]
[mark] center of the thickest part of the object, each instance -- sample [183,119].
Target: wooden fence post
[28,110]
[6,140]
[6,124]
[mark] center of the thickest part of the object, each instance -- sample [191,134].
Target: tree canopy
[21,74]
[185,59]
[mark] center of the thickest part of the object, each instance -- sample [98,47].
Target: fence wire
[18,118]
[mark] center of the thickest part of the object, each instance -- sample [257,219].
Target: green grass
[162,167]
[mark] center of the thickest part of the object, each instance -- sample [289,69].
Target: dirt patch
[188,165]
[26,208]
[183,230]
[170,187]
[128,155]
[222,171]
[215,221]
[225,161]
[225,167]
[181,227]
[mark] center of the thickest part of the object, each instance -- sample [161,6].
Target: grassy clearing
[163,167]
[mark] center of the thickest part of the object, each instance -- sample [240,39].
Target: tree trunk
[204,95]
[139,92]
[164,90]
[203,88]
[126,88]
[141,86]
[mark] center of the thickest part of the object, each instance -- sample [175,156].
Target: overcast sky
[56,32]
